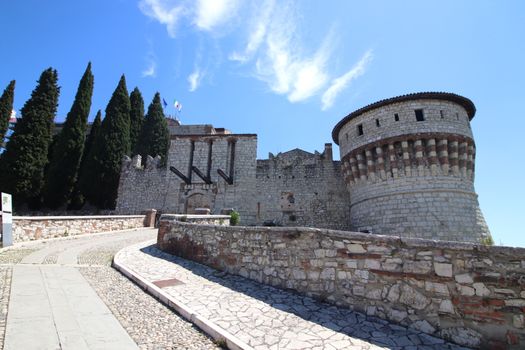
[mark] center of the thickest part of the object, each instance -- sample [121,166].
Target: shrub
[487,240]
[235,218]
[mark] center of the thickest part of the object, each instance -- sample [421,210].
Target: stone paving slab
[53,307]
[255,316]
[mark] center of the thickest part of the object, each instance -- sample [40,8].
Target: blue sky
[290,70]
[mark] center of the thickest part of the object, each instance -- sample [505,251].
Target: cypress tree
[112,143]
[6,106]
[25,157]
[67,152]
[84,184]
[155,136]
[136,117]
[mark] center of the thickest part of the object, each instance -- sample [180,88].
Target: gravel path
[149,323]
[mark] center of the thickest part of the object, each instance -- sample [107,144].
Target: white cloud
[288,65]
[211,13]
[283,64]
[151,70]
[257,32]
[163,12]
[195,78]
[340,83]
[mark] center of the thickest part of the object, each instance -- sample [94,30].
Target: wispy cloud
[283,65]
[257,32]
[151,70]
[211,13]
[163,12]
[273,50]
[151,62]
[194,79]
[340,83]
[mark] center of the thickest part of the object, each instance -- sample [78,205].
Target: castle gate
[197,200]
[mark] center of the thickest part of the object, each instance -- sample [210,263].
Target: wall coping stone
[77,217]
[371,238]
[171,217]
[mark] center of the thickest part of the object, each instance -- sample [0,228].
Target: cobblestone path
[149,323]
[265,317]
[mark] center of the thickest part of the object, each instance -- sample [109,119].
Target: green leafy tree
[23,162]
[112,143]
[155,136]
[136,117]
[67,152]
[6,106]
[84,185]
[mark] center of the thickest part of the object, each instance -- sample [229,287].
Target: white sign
[7,219]
[6,203]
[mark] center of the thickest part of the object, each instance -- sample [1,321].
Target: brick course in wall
[470,294]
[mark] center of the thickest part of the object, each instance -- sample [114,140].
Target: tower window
[419,115]
[457,116]
[377,123]
[396,117]
[360,129]
[441,114]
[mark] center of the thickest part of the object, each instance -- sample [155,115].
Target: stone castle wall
[470,294]
[293,188]
[141,187]
[413,177]
[161,188]
[298,188]
[407,168]
[440,117]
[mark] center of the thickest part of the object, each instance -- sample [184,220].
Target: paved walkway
[256,316]
[53,307]
[64,295]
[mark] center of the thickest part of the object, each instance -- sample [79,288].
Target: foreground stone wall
[470,294]
[29,228]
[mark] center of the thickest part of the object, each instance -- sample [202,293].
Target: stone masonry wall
[410,177]
[298,188]
[29,228]
[142,187]
[470,294]
[440,117]
[444,208]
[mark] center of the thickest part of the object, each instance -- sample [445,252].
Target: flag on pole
[178,105]
[164,103]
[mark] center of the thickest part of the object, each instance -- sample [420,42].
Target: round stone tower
[408,162]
